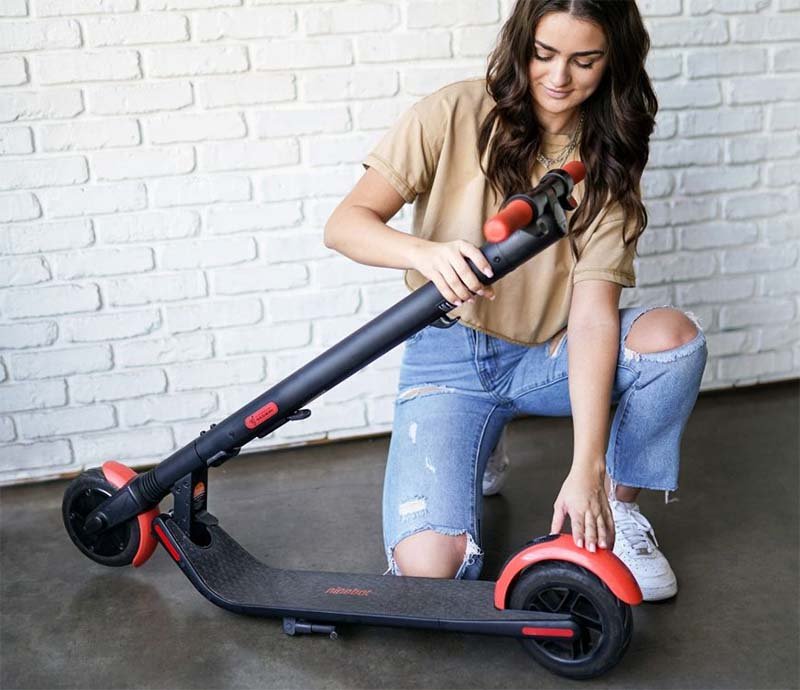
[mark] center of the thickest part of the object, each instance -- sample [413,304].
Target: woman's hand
[445,265]
[584,499]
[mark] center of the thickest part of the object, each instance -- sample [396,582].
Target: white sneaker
[494,477]
[636,546]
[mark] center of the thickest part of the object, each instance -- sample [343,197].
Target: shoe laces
[634,526]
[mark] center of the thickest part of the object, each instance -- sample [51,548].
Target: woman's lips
[556,94]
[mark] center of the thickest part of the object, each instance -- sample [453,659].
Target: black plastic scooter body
[230,577]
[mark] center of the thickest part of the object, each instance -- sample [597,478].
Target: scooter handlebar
[518,213]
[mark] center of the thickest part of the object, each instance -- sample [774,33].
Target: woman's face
[569,58]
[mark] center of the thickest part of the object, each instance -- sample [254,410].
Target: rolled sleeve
[606,257]
[405,156]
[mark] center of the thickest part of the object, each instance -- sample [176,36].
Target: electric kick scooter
[570,608]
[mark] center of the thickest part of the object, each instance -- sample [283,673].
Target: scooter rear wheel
[606,622]
[115,547]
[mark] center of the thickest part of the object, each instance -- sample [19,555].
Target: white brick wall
[166,169]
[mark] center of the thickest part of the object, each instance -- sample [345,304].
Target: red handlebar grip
[514,216]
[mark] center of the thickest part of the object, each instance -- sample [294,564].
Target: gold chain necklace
[548,162]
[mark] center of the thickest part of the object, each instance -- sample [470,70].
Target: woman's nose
[559,75]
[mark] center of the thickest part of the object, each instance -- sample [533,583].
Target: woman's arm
[593,346]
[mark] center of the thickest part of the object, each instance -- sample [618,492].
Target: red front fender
[603,563]
[118,475]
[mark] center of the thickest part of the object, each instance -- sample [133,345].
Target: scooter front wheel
[606,622]
[115,547]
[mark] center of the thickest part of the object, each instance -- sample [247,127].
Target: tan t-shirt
[430,155]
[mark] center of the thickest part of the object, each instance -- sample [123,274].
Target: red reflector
[550,632]
[167,543]
[261,415]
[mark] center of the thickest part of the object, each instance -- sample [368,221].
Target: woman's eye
[583,65]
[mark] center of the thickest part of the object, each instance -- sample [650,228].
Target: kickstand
[292,626]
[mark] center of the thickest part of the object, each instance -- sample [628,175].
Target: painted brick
[149,162]
[299,54]
[17,459]
[403,46]
[260,22]
[24,271]
[19,206]
[255,89]
[148,226]
[33,396]
[335,85]
[121,99]
[22,174]
[208,189]
[44,34]
[114,326]
[33,425]
[88,263]
[280,122]
[107,387]
[426,14]
[162,351]
[66,68]
[90,134]
[303,306]
[55,8]
[212,314]
[156,288]
[61,202]
[49,300]
[222,219]
[16,140]
[207,253]
[167,408]
[171,129]
[228,372]
[134,29]
[240,280]
[263,338]
[76,360]
[149,446]
[19,336]
[190,61]
[351,18]
[19,106]
[244,155]
[13,71]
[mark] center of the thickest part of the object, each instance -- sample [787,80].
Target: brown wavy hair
[619,115]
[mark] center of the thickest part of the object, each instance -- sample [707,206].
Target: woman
[565,82]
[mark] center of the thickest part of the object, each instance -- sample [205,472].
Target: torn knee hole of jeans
[412,508]
[417,391]
[660,355]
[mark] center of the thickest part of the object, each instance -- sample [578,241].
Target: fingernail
[592,548]
[480,292]
[580,543]
[603,545]
[488,272]
[457,302]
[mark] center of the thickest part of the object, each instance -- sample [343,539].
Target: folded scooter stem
[222,441]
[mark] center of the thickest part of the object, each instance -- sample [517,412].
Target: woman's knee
[661,329]
[431,554]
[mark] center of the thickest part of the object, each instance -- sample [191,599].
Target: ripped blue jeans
[458,389]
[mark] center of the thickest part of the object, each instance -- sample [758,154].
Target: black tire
[606,622]
[115,547]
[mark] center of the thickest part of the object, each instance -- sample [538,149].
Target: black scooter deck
[233,579]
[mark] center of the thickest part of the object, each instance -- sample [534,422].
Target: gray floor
[732,539]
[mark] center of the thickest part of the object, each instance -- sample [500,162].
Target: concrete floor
[732,539]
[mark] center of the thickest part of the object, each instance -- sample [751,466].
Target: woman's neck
[558,123]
